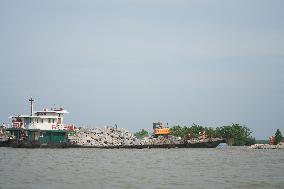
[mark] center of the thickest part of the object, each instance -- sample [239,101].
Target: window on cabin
[49,120]
[41,120]
[52,120]
[37,120]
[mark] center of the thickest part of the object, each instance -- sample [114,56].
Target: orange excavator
[160,129]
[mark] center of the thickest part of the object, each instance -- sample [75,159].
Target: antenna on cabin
[32,105]
[53,108]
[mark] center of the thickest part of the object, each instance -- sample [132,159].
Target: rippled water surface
[141,168]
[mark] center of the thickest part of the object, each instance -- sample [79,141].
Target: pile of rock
[113,137]
[104,137]
[161,140]
[4,135]
[267,146]
[196,140]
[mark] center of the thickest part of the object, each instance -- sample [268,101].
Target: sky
[132,62]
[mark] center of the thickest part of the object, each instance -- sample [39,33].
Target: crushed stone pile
[103,137]
[112,137]
[4,135]
[162,140]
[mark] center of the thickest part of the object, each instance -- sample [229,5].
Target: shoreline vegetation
[235,134]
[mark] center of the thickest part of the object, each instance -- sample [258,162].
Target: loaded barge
[204,144]
[45,129]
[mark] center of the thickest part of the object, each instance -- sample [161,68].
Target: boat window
[52,120]
[49,120]
[41,120]
[37,120]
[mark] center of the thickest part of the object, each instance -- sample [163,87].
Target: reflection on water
[141,168]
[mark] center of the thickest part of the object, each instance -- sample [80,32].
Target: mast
[32,108]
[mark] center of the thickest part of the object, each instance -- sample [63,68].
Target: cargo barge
[205,144]
[45,129]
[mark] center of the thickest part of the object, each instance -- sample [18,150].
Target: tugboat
[40,129]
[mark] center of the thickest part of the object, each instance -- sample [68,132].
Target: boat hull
[202,144]
[206,144]
[187,144]
[5,143]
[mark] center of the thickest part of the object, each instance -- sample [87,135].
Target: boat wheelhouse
[43,120]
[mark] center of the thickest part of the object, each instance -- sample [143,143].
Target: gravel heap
[103,137]
[112,136]
[161,140]
[4,135]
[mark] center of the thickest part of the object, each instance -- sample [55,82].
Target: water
[144,168]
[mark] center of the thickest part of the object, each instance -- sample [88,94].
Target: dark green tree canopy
[235,134]
[278,137]
[141,134]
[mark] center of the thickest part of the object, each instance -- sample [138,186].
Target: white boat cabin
[43,120]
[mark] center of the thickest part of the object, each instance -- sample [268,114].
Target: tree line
[235,134]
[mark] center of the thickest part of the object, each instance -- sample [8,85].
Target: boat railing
[69,127]
[17,124]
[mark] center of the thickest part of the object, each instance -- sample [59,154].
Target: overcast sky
[134,62]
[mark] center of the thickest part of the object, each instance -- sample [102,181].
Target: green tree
[195,129]
[250,141]
[211,133]
[178,131]
[240,134]
[235,134]
[225,132]
[278,137]
[141,134]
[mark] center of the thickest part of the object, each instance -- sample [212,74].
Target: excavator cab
[160,129]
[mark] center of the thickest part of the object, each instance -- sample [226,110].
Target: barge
[45,129]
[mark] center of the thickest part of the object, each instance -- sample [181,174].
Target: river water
[234,167]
